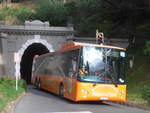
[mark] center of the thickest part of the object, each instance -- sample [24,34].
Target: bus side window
[69,67]
[47,72]
[73,67]
[73,63]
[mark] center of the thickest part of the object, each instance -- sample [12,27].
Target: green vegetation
[14,15]
[147,48]
[52,11]
[138,90]
[146,93]
[8,92]
[116,18]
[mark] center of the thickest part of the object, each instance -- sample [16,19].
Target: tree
[52,11]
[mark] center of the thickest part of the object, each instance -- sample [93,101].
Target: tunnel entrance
[27,60]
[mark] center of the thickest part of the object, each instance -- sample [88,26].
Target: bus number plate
[103,98]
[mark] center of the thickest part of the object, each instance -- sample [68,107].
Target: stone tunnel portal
[27,60]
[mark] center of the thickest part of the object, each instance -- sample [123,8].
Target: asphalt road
[38,101]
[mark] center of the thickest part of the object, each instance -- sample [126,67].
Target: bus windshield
[102,65]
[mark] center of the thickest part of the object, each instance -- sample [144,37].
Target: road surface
[38,101]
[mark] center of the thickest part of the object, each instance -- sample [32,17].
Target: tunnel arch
[38,42]
[27,60]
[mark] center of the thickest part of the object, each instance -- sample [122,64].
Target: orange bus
[83,72]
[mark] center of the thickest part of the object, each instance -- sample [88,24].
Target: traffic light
[100,37]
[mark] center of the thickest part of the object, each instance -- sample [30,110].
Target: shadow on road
[41,92]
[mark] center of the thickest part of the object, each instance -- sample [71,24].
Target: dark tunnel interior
[27,60]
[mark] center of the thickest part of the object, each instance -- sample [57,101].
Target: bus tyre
[61,90]
[37,84]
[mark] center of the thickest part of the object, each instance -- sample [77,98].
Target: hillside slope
[137,77]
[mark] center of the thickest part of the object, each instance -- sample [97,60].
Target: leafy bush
[19,0]
[52,11]
[15,15]
[8,90]
[23,13]
[16,0]
[147,48]
[146,93]
[88,15]
[22,84]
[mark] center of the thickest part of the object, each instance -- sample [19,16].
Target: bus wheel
[61,90]
[37,84]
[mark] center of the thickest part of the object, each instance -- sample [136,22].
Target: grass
[8,92]
[137,77]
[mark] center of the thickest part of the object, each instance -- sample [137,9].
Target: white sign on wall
[16,57]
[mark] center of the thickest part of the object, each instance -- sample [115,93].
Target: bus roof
[73,44]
